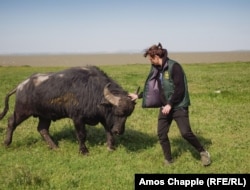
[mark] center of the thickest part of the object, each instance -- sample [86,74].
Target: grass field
[219,114]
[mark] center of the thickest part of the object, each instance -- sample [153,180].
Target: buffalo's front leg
[43,128]
[81,135]
[110,141]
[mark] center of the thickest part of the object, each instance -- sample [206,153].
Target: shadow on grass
[180,145]
[132,140]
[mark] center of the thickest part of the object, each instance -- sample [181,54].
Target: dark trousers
[181,117]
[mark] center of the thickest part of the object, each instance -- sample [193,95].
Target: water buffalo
[86,95]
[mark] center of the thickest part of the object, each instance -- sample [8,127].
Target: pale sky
[108,26]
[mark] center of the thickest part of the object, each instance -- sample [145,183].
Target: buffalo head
[122,107]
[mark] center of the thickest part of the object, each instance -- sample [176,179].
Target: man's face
[154,60]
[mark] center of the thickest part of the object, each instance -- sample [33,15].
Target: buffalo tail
[6,107]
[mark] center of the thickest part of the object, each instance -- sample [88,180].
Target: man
[166,87]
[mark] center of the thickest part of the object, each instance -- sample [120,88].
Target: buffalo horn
[110,97]
[138,90]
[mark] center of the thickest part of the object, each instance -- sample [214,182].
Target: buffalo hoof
[6,143]
[54,148]
[111,149]
[84,152]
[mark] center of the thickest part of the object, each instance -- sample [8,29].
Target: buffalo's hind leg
[13,122]
[81,135]
[43,128]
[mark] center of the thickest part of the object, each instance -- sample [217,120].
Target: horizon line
[106,53]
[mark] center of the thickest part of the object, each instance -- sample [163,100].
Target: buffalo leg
[43,128]
[81,135]
[110,141]
[13,122]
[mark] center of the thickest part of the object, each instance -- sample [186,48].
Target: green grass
[220,121]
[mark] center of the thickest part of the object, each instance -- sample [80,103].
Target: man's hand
[166,109]
[133,96]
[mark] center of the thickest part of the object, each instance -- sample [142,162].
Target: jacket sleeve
[179,89]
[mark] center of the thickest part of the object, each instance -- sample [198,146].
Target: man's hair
[156,50]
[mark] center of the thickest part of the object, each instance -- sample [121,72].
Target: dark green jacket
[169,87]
